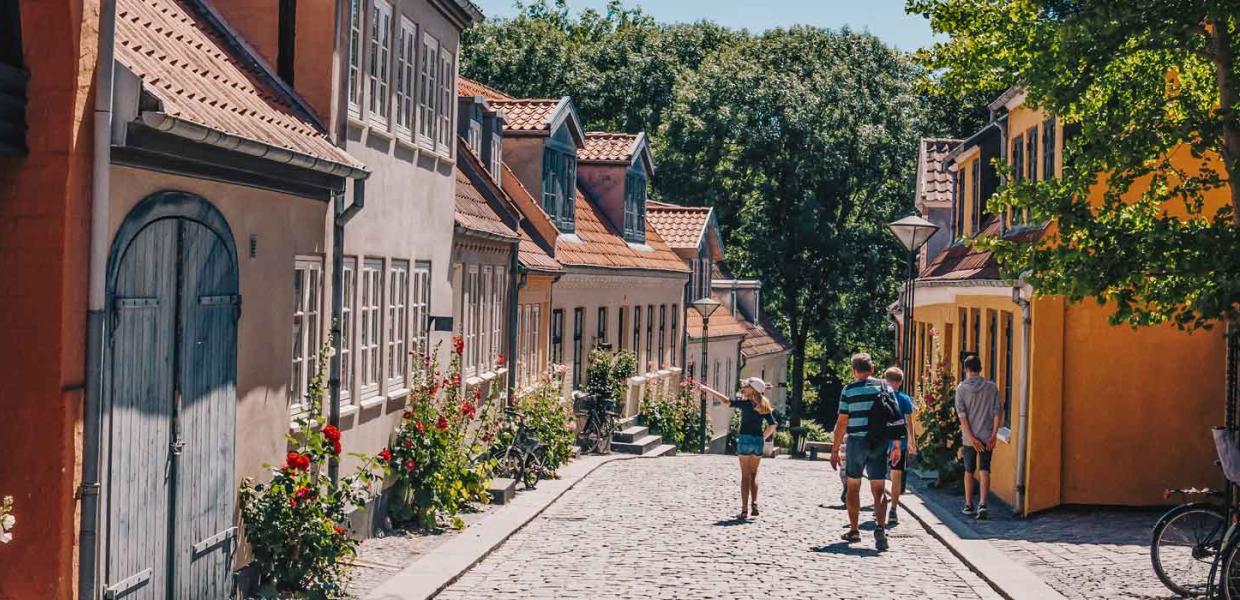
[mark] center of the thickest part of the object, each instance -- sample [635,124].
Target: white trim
[949,294]
[966,155]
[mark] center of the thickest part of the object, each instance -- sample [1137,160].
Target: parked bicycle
[1186,540]
[600,414]
[523,458]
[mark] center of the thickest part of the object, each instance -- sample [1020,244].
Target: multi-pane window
[964,335]
[621,321]
[635,206]
[650,337]
[428,83]
[349,291]
[482,307]
[499,290]
[1048,149]
[992,345]
[406,74]
[1031,153]
[958,205]
[662,358]
[497,152]
[675,333]
[370,306]
[1018,158]
[637,333]
[536,361]
[728,379]
[469,321]
[1007,368]
[977,332]
[601,334]
[975,174]
[557,336]
[307,300]
[447,102]
[419,308]
[397,324]
[559,180]
[524,312]
[380,72]
[355,57]
[715,376]
[579,317]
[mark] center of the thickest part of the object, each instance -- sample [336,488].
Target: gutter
[1022,441]
[212,137]
[96,321]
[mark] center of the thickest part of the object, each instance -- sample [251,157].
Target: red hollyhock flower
[408,443]
[407,414]
[500,360]
[442,423]
[477,393]
[339,530]
[292,502]
[929,399]
[434,391]
[386,455]
[420,426]
[455,381]
[458,344]
[410,465]
[336,448]
[467,409]
[299,462]
[302,492]
[332,433]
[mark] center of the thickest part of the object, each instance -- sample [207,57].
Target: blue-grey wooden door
[171,531]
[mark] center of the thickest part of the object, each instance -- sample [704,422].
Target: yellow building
[1102,414]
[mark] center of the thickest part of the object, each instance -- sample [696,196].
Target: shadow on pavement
[846,549]
[731,522]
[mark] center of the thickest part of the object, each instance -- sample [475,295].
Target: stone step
[661,450]
[502,490]
[629,434]
[639,446]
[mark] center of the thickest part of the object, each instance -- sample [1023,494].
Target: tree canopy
[1149,92]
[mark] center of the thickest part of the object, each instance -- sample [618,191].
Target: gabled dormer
[482,128]
[617,169]
[540,142]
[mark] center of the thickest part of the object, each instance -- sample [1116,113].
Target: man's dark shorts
[867,458]
[971,460]
[900,464]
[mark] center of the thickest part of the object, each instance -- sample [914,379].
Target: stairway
[631,438]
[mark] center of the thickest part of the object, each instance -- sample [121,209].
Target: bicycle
[600,414]
[523,458]
[1186,541]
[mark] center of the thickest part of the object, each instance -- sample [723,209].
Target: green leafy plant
[939,441]
[676,416]
[435,449]
[815,432]
[7,520]
[297,523]
[550,420]
[783,438]
[607,374]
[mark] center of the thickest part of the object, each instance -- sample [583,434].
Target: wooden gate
[171,411]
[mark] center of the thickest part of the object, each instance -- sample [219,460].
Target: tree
[1142,85]
[802,138]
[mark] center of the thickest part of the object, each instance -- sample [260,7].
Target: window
[579,317]
[287,40]
[406,69]
[675,334]
[1018,159]
[637,333]
[497,153]
[728,379]
[380,74]
[428,82]
[662,335]
[1048,149]
[601,335]
[1007,368]
[499,290]
[649,337]
[958,204]
[370,316]
[1031,153]
[559,180]
[992,345]
[964,334]
[348,291]
[715,377]
[419,308]
[307,299]
[470,298]
[975,172]
[635,205]
[523,344]
[977,332]
[557,336]
[620,329]
[355,57]
[447,102]
[397,324]
[483,325]
[536,361]
[473,137]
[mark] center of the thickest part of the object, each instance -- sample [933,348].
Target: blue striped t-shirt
[856,400]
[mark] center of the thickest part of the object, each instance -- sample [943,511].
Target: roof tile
[962,262]
[599,246]
[680,226]
[474,213]
[469,87]
[527,114]
[607,147]
[934,184]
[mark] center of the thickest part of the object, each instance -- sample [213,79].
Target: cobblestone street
[663,528]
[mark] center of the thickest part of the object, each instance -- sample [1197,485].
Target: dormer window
[635,205]
[497,154]
[559,180]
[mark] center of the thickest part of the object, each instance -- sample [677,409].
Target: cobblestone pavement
[1080,552]
[663,528]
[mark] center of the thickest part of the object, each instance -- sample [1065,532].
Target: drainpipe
[342,217]
[1022,440]
[516,281]
[96,321]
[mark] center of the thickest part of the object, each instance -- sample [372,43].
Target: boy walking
[977,404]
[865,456]
[908,445]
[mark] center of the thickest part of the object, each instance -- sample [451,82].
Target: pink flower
[442,423]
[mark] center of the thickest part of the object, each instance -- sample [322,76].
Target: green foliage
[676,416]
[550,421]
[815,432]
[296,524]
[939,441]
[783,439]
[1138,83]
[434,449]
[607,373]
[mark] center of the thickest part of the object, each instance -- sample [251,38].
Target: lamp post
[913,232]
[705,307]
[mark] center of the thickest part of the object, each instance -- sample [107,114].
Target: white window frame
[420,305]
[447,102]
[348,329]
[307,333]
[500,288]
[379,69]
[486,296]
[428,78]
[406,75]
[370,326]
[497,153]
[469,323]
[357,22]
[396,366]
[536,354]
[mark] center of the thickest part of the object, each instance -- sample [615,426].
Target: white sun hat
[756,383]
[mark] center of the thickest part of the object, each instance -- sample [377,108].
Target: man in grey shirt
[977,405]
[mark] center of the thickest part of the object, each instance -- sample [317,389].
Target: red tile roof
[934,182]
[680,226]
[602,247]
[962,262]
[536,225]
[528,114]
[198,75]
[762,339]
[469,87]
[474,213]
[534,257]
[608,147]
[722,323]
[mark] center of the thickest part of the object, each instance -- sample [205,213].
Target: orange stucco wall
[44,209]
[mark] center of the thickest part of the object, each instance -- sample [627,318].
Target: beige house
[764,350]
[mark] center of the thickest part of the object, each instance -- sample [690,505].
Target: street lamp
[705,307]
[913,232]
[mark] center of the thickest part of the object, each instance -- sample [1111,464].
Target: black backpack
[885,420]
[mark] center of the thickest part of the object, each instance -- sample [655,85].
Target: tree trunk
[1225,76]
[798,379]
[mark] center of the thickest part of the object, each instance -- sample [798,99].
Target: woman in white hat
[757,426]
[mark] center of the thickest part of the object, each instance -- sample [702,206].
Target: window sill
[348,411]
[380,131]
[410,145]
[400,394]
[372,402]
[640,247]
[637,380]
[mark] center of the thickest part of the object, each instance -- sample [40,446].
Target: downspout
[1022,440]
[342,216]
[516,281]
[96,315]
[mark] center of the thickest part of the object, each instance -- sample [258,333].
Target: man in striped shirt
[865,457]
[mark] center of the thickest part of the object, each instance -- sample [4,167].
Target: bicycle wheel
[1184,544]
[508,465]
[1227,585]
[532,470]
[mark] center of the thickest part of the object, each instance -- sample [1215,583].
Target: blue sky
[884,18]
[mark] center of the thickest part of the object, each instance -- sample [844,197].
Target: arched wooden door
[172,366]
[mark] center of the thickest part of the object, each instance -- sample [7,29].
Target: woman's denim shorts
[749,445]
